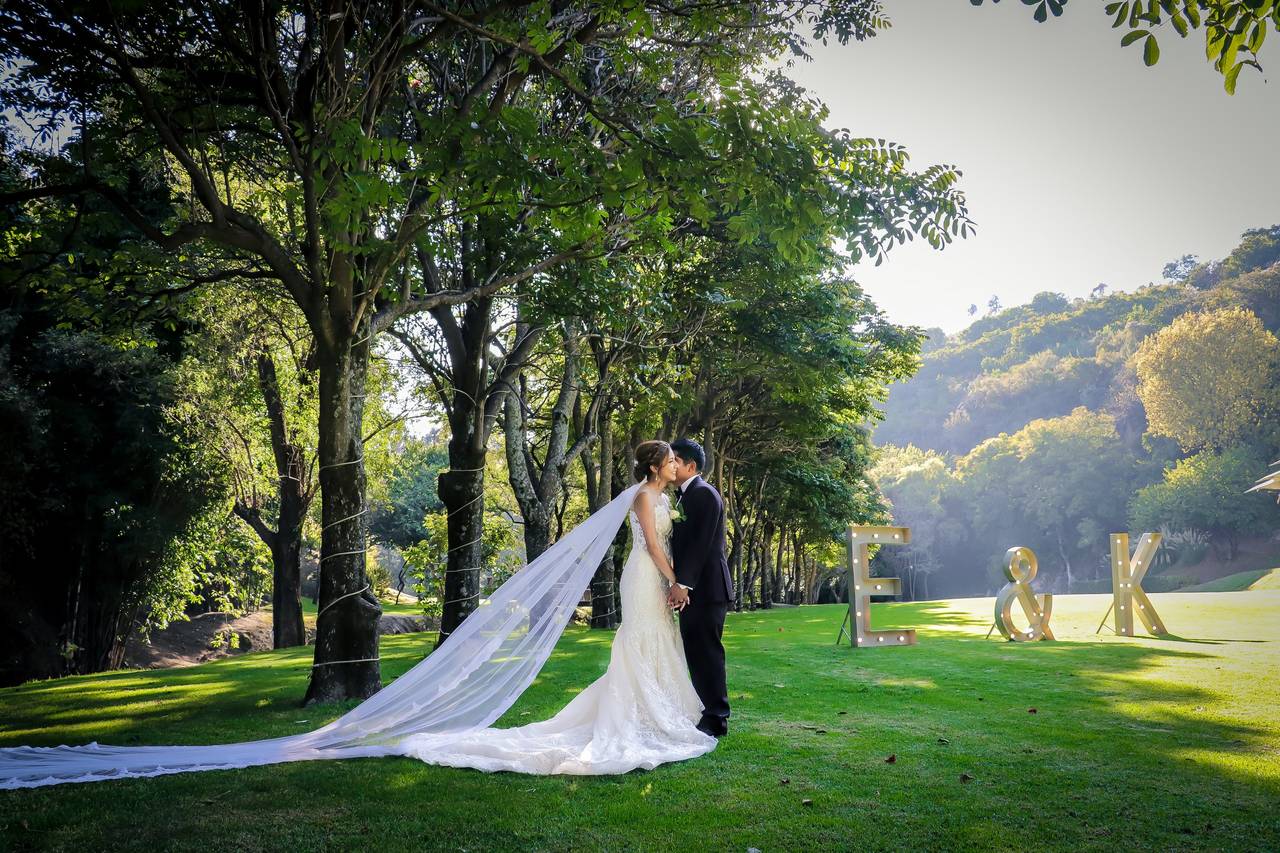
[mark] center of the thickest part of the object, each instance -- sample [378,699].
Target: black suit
[697,548]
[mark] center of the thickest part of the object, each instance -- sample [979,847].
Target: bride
[641,713]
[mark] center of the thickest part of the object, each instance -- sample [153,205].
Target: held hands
[677,597]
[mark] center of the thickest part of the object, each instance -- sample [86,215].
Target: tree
[92,504]
[1259,248]
[1179,269]
[247,390]
[538,483]
[306,96]
[1047,302]
[1055,485]
[1210,380]
[410,495]
[1207,492]
[1074,482]
[915,483]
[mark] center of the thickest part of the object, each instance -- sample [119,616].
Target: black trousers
[701,627]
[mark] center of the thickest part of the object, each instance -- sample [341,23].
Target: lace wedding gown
[641,713]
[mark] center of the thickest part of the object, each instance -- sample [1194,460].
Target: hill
[1043,359]
[1029,428]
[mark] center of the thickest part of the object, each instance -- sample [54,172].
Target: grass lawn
[1142,743]
[309,608]
[1254,579]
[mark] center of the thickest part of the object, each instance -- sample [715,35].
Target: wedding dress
[640,713]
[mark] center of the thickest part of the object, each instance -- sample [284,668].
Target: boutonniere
[677,513]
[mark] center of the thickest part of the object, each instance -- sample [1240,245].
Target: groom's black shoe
[713,726]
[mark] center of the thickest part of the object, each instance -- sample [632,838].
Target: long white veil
[466,684]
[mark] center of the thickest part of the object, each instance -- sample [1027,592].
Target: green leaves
[1130,38]
[1230,26]
[1150,51]
[1229,81]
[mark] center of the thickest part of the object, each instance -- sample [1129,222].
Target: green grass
[309,608]
[1240,581]
[1139,743]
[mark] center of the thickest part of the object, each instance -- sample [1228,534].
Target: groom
[703,588]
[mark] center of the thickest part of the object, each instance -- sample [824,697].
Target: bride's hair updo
[650,453]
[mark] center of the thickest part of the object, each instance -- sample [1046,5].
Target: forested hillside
[1054,423]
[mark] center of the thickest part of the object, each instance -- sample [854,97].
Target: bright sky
[1081,165]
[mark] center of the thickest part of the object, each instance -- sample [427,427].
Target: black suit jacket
[697,545]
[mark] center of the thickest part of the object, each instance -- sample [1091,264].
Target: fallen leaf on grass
[820,731]
[1031,711]
[779,685]
[892,759]
[784,781]
[943,740]
[842,713]
[806,802]
[965,777]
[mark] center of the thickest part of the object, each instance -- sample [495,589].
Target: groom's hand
[678,597]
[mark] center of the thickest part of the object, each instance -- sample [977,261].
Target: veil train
[466,684]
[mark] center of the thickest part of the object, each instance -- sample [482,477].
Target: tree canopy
[467,177]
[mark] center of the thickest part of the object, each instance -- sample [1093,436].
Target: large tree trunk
[1066,561]
[734,511]
[461,488]
[752,561]
[346,659]
[766,570]
[777,590]
[287,625]
[461,491]
[604,602]
[535,507]
[797,569]
[538,488]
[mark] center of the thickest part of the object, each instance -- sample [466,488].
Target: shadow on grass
[1175,638]
[1116,697]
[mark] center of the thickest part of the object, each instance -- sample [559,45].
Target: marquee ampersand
[1020,567]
